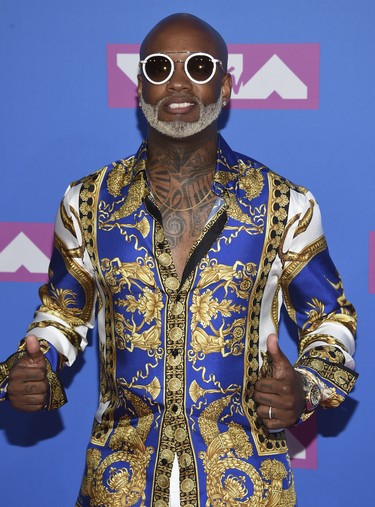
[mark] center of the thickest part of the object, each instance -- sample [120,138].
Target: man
[184,253]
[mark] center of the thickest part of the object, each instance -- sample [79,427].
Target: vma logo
[265,76]
[303,444]
[25,250]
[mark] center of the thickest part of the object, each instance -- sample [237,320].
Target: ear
[226,87]
[139,87]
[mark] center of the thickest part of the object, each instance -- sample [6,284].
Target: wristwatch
[313,393]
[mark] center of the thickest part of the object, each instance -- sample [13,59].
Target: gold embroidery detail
[342,378]
[254,222]
[175,436]
[330,340]
[231,450]
[251,180]
[119,176]
[126,465]
[133,200]
[279,190]
[293,268]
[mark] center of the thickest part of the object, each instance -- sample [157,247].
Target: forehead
[181,38]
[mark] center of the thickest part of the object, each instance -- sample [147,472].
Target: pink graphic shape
[265,76]
[303,446]
[371,271]
[27,244]
[122,90]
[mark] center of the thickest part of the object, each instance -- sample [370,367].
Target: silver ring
[270,413]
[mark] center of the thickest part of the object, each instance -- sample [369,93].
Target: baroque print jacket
[179,358]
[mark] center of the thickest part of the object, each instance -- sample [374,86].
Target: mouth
[179,106]
[183,105]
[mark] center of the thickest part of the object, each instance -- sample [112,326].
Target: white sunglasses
[200,68]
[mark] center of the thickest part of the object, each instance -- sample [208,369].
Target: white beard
[178,128]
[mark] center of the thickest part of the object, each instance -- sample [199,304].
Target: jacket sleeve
[68,300]
[314,298]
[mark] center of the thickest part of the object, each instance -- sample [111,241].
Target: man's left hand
[283,392]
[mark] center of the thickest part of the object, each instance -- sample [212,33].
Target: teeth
[180,105]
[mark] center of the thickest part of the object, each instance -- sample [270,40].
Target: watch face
[315,396]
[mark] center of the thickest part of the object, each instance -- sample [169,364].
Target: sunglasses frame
[215,61]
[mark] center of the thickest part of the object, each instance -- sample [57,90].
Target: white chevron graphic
[274,76]
[21,251]
[128,63]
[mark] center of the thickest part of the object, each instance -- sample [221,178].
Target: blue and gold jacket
[179,358]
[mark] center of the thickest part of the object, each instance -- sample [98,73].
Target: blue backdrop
[56,125]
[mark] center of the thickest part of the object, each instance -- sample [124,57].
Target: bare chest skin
[181,186]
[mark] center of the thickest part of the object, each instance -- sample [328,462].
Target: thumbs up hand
[28,386]
[280,398]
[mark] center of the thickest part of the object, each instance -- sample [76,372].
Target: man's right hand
[28,386]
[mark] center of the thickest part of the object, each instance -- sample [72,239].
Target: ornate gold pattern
[119,176]
[266,443]
[232,450]
[89,195]
[343,379]
[127,464]
[251,180]
[133,199]
[330,340]
[254,220]
[80,274]
[174,431]
[293,268]
[68,332]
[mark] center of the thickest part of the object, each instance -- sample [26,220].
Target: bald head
[188,28]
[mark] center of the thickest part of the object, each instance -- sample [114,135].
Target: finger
[28,395]
[19,385]
[272,344]
[271,413]
[269,385]
[274,350]
[35,356]
[23,371]
[274,418]
[268,399]
[281,388]
[280,363]
[33,347]
[29,404]
[274,424]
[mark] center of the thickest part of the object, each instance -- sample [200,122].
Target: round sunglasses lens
[157,68]
[200,67]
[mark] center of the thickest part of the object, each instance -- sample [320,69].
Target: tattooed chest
[182,229]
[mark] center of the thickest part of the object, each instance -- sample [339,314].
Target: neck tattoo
[181,209]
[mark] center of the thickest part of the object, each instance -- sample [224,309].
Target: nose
[179,79]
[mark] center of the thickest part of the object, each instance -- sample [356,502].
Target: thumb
[33,349]
[279,359]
